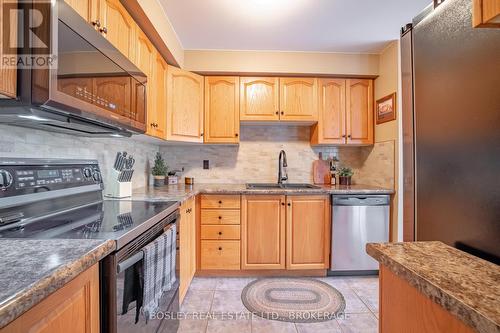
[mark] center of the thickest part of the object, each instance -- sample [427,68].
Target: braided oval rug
[299,300]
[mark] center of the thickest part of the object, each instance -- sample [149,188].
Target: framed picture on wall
[386,109]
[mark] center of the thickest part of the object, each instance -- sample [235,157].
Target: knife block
[115,189]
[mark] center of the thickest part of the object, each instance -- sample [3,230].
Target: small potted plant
[159,171]
[345,175]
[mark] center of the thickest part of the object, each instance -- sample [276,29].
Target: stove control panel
[30,177]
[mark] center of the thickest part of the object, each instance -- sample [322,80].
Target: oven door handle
[129,262]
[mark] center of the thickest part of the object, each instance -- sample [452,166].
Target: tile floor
[218,296]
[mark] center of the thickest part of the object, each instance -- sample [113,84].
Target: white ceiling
[290,25]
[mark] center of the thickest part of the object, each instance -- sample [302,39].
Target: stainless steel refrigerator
[451,130]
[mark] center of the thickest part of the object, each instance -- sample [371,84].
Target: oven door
[119,310]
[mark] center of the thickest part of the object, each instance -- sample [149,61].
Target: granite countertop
[464,285]
[183,192]
[31,270]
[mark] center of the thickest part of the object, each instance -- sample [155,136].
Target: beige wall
[281,62]
[161,22]
[386,84]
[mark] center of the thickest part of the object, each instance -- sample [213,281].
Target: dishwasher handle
[361,200]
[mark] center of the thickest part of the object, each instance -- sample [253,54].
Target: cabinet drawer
[220,201]
[220,232]
[219,216]
[220,254]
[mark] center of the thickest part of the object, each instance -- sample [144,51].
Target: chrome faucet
[282,174]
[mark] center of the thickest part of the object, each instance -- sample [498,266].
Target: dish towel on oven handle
[159,270]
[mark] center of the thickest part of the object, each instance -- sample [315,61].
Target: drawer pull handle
[220,248]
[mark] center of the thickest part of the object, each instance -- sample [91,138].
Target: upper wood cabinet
[8,83]
[88,9]
[187,240]
[184,106]
[486,14]
[331,126]
[359,111]
[308,232]
[118,27]
[298,99]
[263,232]
[345,112]
[259,99]
[222,109]
[73,308]
[158,113]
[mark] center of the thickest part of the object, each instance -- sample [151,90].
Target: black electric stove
[48,199]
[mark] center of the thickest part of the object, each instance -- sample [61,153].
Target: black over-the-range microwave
[87,87]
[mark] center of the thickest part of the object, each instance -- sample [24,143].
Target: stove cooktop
[110,219]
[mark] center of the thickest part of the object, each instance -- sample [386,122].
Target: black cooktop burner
[109,219]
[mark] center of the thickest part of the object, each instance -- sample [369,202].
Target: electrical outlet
[206,164]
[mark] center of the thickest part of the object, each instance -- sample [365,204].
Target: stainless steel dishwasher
[357,220]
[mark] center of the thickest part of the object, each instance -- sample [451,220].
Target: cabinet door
[118,26]
[259,99]
[222,109]
[8,83]
[184,106]
[298,99]
[144,60]
[263,232]
[159,94]
[116,89]
[330,128]
[86,9]
[308,232]
[359,111]
[187,245]
[73,308]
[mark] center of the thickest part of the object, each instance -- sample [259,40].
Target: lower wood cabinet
[291,232]
[308,232]
[263,232]
[73,308]
[187,243]
[220,232]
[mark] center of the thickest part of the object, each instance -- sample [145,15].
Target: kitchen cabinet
[220,232]
[331,126]
[298,99]
[8,84]
[118,26]
[259,99]
[73,308]
[263,232]
[345,113]
[308,232]
[187,246]
[88,9]
[359,111]
[403,308]
[486,14]
[184,106]
[157,116]
[222,109]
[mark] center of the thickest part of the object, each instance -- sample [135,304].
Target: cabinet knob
[343,135]
[277,112]
[220,233]
[220,217]
[220,202]
[236,135]
[349,136]
[201,134]
[220,248]
[289,204]
[104,30]
[282,203]
[96,23]
[282,113]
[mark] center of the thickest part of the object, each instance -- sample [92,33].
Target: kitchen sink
[264,186]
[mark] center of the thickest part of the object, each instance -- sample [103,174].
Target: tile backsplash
[26,142]
[256,158]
